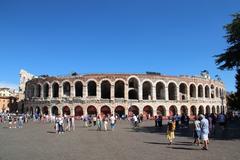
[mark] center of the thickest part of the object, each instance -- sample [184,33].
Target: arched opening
[133,110]
[160,90]
[147,91]
[39,89]
[193,111]
[133,88]
[218,109]
[78,111]
[200,110]
[207,92]
[78,89]
[92,88]
[119,111]
[161,110]
[66,89]
[217,93]
[172,91]
[183,91]
[148,111]
[172,110]
[31,91]
[119,89]
[105,90]
[208,111]
[46,90]
[45,110]
[184,110]
[55,90]
[213,109]
[200,91]
[55,110]
[66,110]
[193,91]
[105,110]
[91,110]
[212,91]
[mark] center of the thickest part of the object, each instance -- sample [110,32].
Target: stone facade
[150,94]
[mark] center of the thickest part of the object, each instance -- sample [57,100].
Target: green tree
[230,59]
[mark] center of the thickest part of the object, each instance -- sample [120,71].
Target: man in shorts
[204,125]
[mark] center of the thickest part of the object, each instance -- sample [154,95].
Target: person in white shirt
[112,122]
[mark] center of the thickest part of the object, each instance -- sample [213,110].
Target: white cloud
[8,85]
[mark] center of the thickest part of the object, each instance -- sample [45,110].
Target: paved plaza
[38,141]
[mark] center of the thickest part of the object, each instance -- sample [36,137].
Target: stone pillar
[49,111]
[60,111]
[178,97]
[72,111]
[140,93]
[60,91]
[153,93]
[85,93]
[41,94]
[166,94]
[98,92]
[50,92]
[126,91]
[72,91]
[112,92]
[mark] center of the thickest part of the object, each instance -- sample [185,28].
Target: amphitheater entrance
[66,110]
[54,110]
[161,110]
[45,110]
[106,110]
[78,111]
[133,110]
[200,110]
[213,109]
[172,110]
[91,110]
[193,111]
[184,110]
[148,111]
[119,111]
[208,111]
[105,90]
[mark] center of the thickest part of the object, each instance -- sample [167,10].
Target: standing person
[72,120]
[135,120]
[204,125]
[94,120]
[112,122]
[170,131]
[196,131]
[105,123]
[99,123]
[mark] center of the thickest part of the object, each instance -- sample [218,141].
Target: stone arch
[200,110]
[193,111]
[91,110]
[55,110]
[213,109]
[105,89]
[208,111]
[161,110]
[172,110]
[92,88]
[217,93]
[133,84]
[119,110]
[78,111]
[66,88]
[66,110]
[55,90]
[193,92]
[172,91]
[46,90]
[184,110]
[78,89]
[148,111]
[183,91]
[38,90]
[160,90]
[218,109]
[133,110]
[31,91]
[31,110]
[200,91]
[119,89]
[207,92]
[45,110]
[106,110]
[147,90]
[212,91]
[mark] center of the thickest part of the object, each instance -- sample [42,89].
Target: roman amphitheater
[147,94]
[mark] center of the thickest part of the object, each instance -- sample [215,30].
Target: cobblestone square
[39,141]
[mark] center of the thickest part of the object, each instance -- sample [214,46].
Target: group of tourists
[14,120]
[64,123]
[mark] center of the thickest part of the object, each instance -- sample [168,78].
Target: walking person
[105,123]
[112,122]
[204,125]
[170,131]
[196,131]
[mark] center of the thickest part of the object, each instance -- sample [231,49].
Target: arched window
[133,88]
[160,90]
[183,91]
[119,89]
[55,90]
[78,89]
[105,90]
[92,88]
[147,91]
[172,91]
[200,91]
[192,91]
[66,89]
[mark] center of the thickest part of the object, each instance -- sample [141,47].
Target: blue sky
[58,37]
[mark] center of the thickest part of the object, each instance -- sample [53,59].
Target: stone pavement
[37,141]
